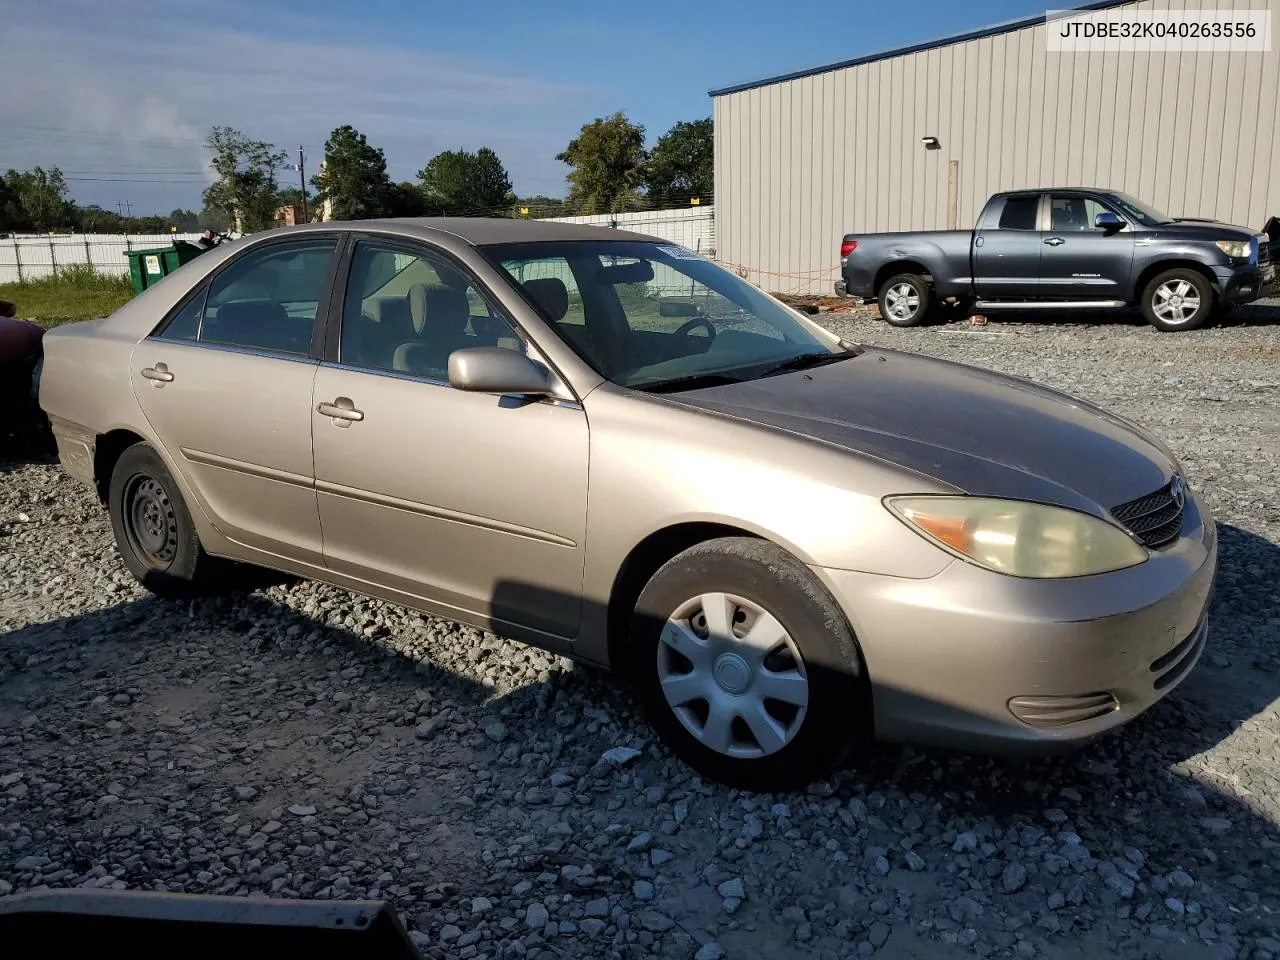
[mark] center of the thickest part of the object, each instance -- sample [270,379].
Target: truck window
[1019,213]
[1074,213]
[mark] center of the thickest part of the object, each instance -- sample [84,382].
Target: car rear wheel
[153,528]
[747,668]
[1178,299]
[905,300]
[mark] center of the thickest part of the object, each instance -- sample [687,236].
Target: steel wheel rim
[1175,301]
[902,301]
[732,675]
[150,521]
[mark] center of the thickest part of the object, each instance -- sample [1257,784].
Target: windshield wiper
[694,382]
[804,361]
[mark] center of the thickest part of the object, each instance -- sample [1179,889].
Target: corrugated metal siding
[801,162]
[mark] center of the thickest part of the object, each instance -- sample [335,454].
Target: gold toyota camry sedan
[608,446]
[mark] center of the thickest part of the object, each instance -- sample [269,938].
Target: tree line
[35,201]
[610,171]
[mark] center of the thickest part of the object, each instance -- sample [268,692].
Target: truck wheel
[905,300]
[747,668]
[1178,299]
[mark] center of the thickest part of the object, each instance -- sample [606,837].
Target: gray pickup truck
[1063,248]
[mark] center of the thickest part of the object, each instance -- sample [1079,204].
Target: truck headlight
[1018,538]
[1236,249]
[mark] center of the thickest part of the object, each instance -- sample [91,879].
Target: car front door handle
[159,373]
[1055,241]
[342,411]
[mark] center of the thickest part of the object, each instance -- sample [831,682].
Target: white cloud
[111,90]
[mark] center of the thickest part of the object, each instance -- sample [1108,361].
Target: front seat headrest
[438,309]
[551,295]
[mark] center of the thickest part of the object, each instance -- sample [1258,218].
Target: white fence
[692,227]
[30,258]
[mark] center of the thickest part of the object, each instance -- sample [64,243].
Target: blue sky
[124,91]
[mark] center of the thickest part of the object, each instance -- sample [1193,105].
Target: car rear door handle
[342,411]
[159,373]
[1055,241]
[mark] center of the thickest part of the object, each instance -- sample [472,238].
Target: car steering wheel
[690,325]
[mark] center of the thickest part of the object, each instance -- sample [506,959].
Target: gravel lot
[302,741]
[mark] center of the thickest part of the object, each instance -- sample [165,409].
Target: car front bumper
[1246,284]
[975,660]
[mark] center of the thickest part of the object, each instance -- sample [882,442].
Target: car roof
[481,231]
[1026,190]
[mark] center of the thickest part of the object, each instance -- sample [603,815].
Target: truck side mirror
[1108,221]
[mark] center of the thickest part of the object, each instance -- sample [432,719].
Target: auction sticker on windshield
[680,253]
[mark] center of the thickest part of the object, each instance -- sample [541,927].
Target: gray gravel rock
[295,740]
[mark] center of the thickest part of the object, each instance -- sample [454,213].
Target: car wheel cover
[150,522]
[732,675]
[1175,301]
[902,301]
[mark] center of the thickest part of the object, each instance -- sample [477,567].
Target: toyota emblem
[1178,490]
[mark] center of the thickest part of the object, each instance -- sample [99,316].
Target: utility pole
[302,175]
[128,208]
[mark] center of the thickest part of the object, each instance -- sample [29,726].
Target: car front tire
[1178,299]
[746,667]
[905,300]
[153,527]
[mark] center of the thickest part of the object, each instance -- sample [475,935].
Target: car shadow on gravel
[302,713]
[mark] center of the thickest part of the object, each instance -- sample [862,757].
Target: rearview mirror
[677,308]
[639,272]
[499,370]
[1107,220]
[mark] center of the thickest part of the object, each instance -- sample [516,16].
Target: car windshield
[1132,207]
[655,316]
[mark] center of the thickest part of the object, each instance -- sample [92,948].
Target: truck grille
[1155,519]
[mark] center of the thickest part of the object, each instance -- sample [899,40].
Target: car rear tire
[746,667]
[1178,299]
[153,527]
[905,300]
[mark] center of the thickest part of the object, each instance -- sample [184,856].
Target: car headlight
[1018,538]
[1236,249]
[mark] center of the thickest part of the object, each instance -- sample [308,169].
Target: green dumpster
[149,267]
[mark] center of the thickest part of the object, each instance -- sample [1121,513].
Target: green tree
[608,161]
[246,186]
[459,183]
[405,199]
[41,197]
[353,177]
[12,216]
[682,163]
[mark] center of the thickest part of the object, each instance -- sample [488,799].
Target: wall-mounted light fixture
[931,143]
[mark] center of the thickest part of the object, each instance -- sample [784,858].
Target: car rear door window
[268,299]
[407,310]
[1019,213]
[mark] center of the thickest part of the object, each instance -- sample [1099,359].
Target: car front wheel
[1178,299]
[747,668]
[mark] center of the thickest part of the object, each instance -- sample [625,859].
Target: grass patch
[76,293]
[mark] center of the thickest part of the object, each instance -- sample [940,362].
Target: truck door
[1080,261]
[1006,249]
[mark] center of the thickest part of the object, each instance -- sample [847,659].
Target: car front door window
[406,312]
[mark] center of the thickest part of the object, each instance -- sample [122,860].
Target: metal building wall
[801,162]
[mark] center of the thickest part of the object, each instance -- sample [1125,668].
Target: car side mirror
[499,370]
[1108,221]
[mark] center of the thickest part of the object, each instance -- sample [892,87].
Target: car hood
[1205,230]
[980,432]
